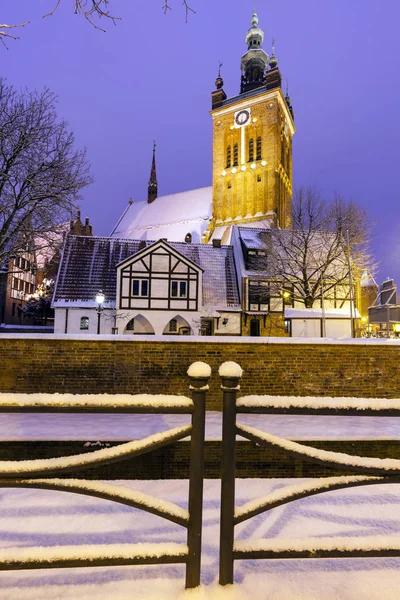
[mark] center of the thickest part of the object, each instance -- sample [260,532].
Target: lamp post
[100,301]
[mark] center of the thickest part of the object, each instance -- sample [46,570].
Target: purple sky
[151,77]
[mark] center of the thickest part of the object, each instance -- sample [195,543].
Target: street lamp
[100,301]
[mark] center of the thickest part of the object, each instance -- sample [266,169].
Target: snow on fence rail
[14,473]
[372,471]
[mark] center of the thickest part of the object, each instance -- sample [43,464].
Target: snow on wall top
[171,216]
[89,264]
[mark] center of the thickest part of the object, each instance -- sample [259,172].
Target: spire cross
[219,68]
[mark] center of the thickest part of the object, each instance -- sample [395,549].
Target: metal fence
[372,471]
[45,474]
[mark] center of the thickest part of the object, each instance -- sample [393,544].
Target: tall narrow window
[235,155]
[228,156]
[251,150]
[173,325]
[259,148]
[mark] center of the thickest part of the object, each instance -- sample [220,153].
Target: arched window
[251,150]
[235,155]
[259,148]
[84,323]
[228,156]
[173,325]
[131,325]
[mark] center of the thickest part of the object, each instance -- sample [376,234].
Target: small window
[173,325]
[235,155]
[179,289]
[131,325]
[228,156]
[251,150]
[140,287]
[259,148]
[258,178]
[84,323]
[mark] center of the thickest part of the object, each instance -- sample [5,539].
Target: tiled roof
[89,264]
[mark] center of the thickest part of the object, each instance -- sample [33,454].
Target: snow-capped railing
[372,471]
[35,474]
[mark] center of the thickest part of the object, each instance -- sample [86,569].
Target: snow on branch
[91,459]
[3,32]
[289,493]
[333,459]
[107,491]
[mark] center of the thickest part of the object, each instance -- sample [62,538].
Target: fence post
[199,376]
[230,373]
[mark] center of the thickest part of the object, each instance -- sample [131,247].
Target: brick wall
[117,364]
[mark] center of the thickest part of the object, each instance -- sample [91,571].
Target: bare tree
[41,174]
[327,243]
[93,11]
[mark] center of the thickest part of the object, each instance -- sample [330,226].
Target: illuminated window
[140,287]
[259,148]
[251,150]
[179,289]
[228,156]
[235,155]
[84,323]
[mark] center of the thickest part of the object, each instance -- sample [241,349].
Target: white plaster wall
[334,328]
[232,327]
[74,321]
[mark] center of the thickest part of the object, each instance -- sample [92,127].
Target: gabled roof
[170,217]
[89,264]
[160,244]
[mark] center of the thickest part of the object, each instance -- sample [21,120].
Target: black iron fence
[371,471]
[45,474]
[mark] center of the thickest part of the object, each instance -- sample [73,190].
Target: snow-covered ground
[19,426]
[45,518]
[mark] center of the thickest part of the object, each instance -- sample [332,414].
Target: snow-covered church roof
[170,217]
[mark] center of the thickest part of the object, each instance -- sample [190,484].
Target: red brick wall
[119,365]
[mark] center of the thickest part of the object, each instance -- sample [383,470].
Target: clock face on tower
[242,117]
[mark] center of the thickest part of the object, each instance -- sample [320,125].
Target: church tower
[252,142]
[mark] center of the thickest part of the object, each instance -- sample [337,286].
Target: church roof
[89,264]
[170,217]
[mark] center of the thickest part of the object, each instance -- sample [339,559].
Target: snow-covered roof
[318,313]
[170,217]
[89,264]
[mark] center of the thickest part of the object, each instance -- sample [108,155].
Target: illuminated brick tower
[252,142]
